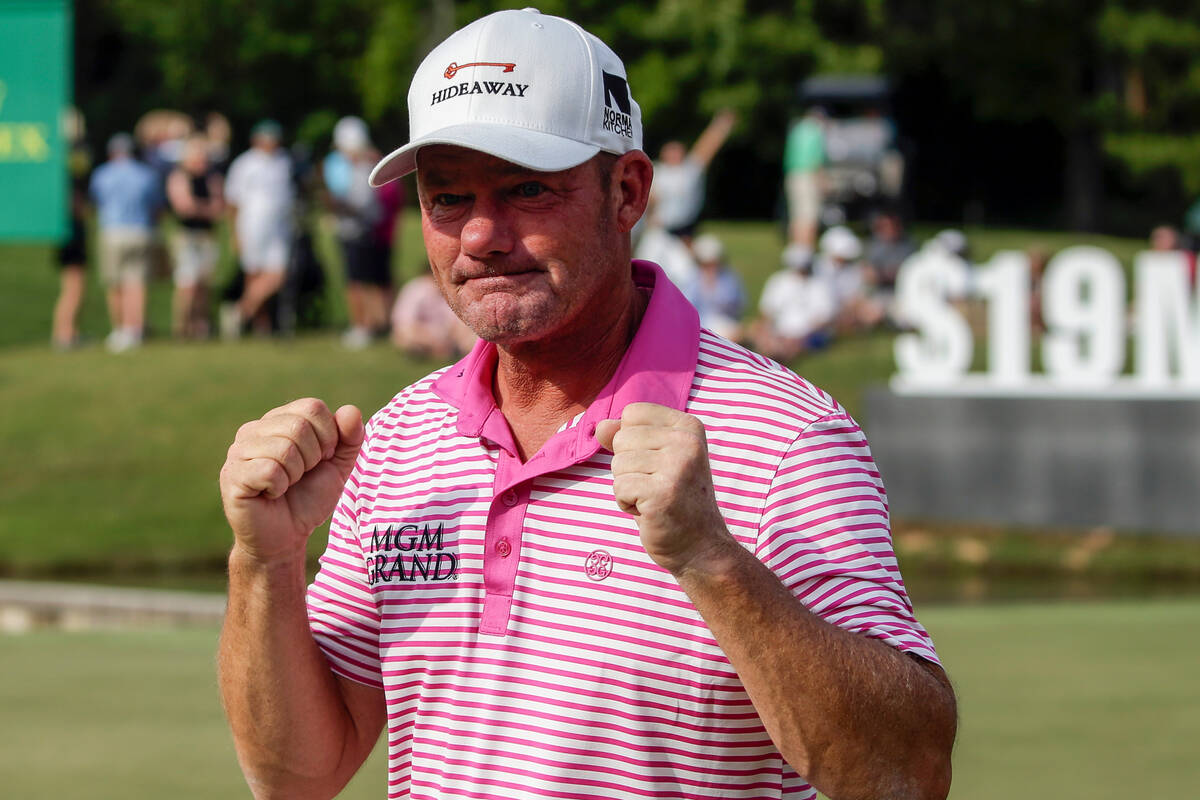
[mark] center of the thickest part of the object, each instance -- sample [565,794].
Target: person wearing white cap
[608,553]
[838,263]
[796,309]
[365,219]
[716,289]
[260,197]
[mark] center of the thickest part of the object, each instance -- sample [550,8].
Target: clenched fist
[662,477]
[284,473]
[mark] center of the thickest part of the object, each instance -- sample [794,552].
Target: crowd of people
[830,285]
[841,287]
[170,167]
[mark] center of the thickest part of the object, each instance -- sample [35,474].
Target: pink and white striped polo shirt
[527,645]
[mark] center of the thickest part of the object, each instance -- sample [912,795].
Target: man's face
[520,256]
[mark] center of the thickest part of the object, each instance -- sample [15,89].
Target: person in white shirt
[677,193]
[839,264]
[797,309]
[260,196]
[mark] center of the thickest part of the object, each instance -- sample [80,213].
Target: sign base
[1128,464]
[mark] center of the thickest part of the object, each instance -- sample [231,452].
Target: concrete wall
[1128,464]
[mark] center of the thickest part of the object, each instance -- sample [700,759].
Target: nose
[488,231]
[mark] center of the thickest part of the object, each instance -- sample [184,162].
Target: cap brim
[536,150]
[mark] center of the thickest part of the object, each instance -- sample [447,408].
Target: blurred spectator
[195,192]
[858,309]
[219,135]
[423,324]
[128,198]
[888,248]
[1165,237]
[803,162]
[952,241]
[260,196]
[72,255]
[366,219]
[301,301]
[677,192]
[1038,257]
[161,135]
[716,289]
[797,309]
[670,253]
[1168,238]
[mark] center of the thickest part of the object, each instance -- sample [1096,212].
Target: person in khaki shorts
[803,168]
[128,197]
[194,190]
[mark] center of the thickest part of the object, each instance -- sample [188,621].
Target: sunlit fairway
[1056,701]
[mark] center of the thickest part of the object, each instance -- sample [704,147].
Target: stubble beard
[492,318]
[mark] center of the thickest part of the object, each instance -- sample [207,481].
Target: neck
[541,385]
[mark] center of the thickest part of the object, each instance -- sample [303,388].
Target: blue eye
[530,189]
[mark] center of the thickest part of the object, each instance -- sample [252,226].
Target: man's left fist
[662,477]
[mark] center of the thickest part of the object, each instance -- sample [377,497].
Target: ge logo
[599,565]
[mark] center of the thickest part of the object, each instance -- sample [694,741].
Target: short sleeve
[234,181]
[342,613]
[825,533]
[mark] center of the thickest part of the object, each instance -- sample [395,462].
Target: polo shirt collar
[657,368]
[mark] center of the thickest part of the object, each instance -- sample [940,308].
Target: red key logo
[454,68]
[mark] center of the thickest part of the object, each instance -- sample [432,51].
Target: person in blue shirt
[716,289]
[128,197]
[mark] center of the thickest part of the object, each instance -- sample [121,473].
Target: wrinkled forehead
[436,162]
[443,164]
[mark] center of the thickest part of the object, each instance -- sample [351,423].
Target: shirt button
[503,548]
[509,498]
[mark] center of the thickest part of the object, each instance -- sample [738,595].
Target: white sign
[1091,332]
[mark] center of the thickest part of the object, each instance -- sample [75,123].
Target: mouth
[499,278]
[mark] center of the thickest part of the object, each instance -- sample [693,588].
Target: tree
[1154,111]
[1020,63]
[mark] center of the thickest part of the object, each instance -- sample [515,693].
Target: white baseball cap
[351,134]
[796,256]
[523,86]
[708,248]
[840,242]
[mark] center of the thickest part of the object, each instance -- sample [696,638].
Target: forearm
[853,715]
[290,723]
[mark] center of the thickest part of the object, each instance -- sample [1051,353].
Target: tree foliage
[1118,77]
[1154,114]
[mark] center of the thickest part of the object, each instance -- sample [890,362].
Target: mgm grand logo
[409,554]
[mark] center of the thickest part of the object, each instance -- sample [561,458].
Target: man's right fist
[284,473]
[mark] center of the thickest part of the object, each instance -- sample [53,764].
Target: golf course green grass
[110,473]
[111,461]
[1072,700]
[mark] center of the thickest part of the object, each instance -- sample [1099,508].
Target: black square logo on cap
[616,90]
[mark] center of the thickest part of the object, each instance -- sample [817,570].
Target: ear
[631,177]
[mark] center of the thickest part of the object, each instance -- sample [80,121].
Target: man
[259,196]
[128,198]
[72,254]
[803,166]
[837,263]
[677,197]
[482,594]
[366,219]
[796,309]
[423,326]
[716,291]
